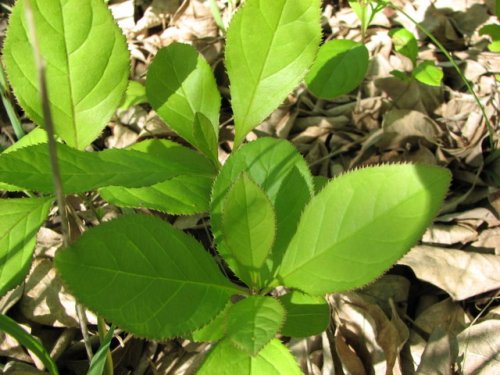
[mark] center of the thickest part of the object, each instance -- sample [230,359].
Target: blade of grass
[31,343]
[9,108]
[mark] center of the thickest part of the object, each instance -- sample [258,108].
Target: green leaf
[493,30]
[360,224]
[214,330]
[20,220]
[145,276]
[405,43]
[180,83]
[81,171]
[268,162]
[305,315]
[273,359]
[135,94]
[270,46]
[206,137]
[36,136]
[428,73]
[10,327]
[99,360]
[181,195]
[253,322]
[87,63]
[340,68]
[248,223]
[366,11]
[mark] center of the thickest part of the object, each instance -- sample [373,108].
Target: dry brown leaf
[446,314]
[449,234]
[480,348]
[460,273]
[438,356]
[348,355]
[45,300]
[489,239]
[18,368]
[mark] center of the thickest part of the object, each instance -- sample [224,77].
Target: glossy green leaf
[35,137]
[214,330]
[405,43]
[226,359]
[135,94]
[493,30]
[81,171]
[145,276]
[181,195]
[248,223]
[305,315]
[10,327]
[87,63]
[206,137]
[340,67]
[360,224]
[20,220]
[270,46]
[180,83]
[253,322]
[428,73]
[269,163]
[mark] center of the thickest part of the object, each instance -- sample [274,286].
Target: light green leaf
[273,359]
[20,220]
[87,63]
[181,195]
[35,137]
[253,322]
[145,276]
[428,73]
[99,360]
[268,162]
[206,137]
[270,46]
[10,327]
[305,315]
[360,224]
[405,43]
[135,94]
[179,84]
[493,30]
[214,330]
[366,11]
[248,223]
[340,68]
[81,171]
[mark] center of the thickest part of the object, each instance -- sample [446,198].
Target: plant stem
[56,173]
[450,58]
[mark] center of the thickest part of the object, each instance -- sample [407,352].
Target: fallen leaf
[460,273]
[480,348]
[438,356]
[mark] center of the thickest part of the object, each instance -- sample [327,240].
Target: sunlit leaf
[87,64]
[226,359]
[248,223]
[145,276]
[340,67]
[180,83]
[428,73]
[269,163]
[253,322]
[81,171]
[405,43]
[360,224]
[20,220]
[270,46]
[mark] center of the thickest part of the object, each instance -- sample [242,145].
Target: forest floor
[437,311]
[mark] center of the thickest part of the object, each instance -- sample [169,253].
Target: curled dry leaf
[460,273]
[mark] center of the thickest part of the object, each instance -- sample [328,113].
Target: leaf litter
[437,311]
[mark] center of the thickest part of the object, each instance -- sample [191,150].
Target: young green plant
[269,226]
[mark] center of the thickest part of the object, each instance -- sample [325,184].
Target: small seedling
[269,226]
